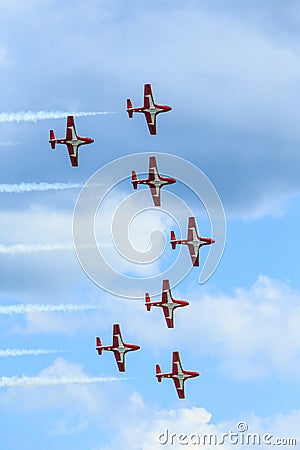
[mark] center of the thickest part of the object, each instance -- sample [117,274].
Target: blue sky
[231,73]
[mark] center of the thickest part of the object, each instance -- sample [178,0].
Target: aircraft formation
[194,242]
[73,141]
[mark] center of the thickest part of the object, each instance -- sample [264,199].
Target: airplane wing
[155,192]
[148,96]
[169,316]
[166,296]
[151,121]
[176,369]
[166,291]
[153,170]
[120,360]
[149,103]
[176,363]
[194,252]
[70,128]
[73,153]
[193,236]
[179,384]
[154,175]
[192,229]
[117,337]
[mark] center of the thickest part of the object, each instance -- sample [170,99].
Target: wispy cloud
[21,188]
[52,381]
[33,352]
[24,309]
[35,116]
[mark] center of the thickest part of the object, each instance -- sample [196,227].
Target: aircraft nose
[212,241]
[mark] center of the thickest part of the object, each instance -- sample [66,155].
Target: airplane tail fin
[134,179]
[52,139]
[158,372]
[148,300]
[129,108]
[173,240]
[98,344]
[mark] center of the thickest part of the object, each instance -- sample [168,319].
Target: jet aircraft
[178,374]
[72,140]
[167,303]
[118,347]
[150,109]
[193,241]
[154,180]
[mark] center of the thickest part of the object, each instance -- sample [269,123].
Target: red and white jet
[193,241]
[167,303]
[178,374]
[72,140]
[150,109]
[154,180]
[118,347]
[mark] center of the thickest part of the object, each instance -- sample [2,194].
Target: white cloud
[55,387]
[244,331]
[224,68]
[271,203]
[119,208]
[237,72]
[32,244]
[36,232]
[68,398]
[194,427]
[254,332]
[140,424]
[36,224]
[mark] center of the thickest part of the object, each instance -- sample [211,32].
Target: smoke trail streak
[21,188]
[35,116]
[33,248]
[7,144]
[20,352]
[44,381]
[16,249]
[24,309]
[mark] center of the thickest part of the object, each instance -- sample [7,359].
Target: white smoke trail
[16,249]
[46,381]
[35,116]
[20,352]
[24,309]
[7,144]
[21,188]
[33,248]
